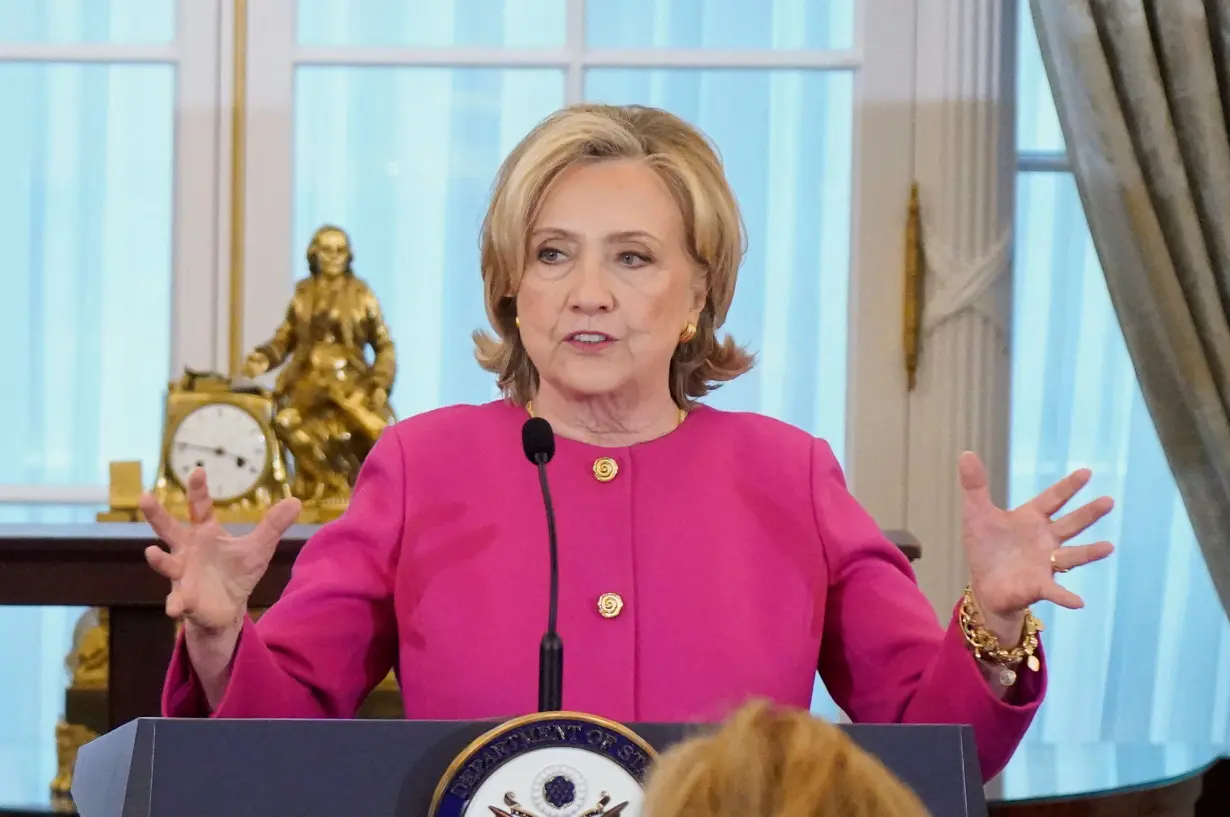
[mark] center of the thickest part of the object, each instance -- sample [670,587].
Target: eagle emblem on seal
[559,791]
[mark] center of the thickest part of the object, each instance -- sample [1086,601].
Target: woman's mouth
[589,341]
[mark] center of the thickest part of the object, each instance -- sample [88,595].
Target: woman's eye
[632,259]
[549,255]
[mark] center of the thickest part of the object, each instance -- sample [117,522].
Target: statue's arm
[278,347]
[384,366]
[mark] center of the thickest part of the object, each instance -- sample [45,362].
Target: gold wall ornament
[332,402]
[915,271]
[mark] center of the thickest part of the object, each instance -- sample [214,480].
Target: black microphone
[538,441]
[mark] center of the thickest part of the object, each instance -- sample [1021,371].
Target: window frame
[194,307]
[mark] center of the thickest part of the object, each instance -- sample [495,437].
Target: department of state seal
[551,764]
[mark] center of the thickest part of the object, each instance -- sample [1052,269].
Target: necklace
[683,413]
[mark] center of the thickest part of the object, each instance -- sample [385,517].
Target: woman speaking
[705,557]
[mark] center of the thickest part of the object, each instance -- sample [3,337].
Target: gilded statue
[69,738]
[332,399]
[90,656]
[87,665]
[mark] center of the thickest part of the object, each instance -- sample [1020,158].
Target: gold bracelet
[987,648]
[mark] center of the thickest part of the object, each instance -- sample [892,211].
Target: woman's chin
[588,385]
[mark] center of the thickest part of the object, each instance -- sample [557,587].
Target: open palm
[1014,555]
[212,573]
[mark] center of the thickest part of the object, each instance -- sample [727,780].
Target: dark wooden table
[103,565]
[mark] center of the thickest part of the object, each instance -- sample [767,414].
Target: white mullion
[575,59]
[88,52]
[574,45]
[710,58]
[269,266]
[450,57]
[196,212]
[54,495]
[221,277]
[883,145]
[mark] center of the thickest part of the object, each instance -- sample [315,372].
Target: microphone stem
[553,547]
[551,652]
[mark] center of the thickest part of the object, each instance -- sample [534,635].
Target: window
[107,176]
[1148,660]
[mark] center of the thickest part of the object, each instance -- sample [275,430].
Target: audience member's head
[767,761]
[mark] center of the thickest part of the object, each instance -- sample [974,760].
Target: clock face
[227,442]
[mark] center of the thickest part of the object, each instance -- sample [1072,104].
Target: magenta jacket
[742,562]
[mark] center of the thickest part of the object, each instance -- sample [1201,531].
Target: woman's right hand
[212,573]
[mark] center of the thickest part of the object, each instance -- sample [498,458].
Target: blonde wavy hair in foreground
[767,761]
[713,230]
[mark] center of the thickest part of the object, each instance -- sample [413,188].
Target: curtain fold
[1139,89]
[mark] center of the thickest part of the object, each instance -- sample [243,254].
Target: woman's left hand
[1014,556]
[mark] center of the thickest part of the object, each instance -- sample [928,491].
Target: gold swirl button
[610,605]
[605,469]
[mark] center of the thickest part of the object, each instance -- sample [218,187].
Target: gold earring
[688,333]
[517,321]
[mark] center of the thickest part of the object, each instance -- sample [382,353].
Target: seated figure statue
[332,401]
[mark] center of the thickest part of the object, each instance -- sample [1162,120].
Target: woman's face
[608,285]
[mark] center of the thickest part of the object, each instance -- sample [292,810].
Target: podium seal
[550,764]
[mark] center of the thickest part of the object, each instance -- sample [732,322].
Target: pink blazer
[742,561]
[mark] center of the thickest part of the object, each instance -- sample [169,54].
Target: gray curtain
[1142,90]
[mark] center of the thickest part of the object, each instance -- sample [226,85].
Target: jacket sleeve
[884,656]
[332,636]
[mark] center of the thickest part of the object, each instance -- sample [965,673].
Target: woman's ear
[700,292]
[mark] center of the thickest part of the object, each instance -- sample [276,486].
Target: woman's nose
[592,294]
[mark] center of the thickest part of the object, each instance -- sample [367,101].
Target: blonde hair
[767,761]
[713,230]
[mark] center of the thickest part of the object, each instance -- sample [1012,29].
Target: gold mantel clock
[229,432]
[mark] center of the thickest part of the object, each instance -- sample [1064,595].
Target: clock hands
[217,450]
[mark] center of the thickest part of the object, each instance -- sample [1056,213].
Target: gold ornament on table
[332,402]
[228,430]
[90,657]
[308,435]
[69,738]
[87,664]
